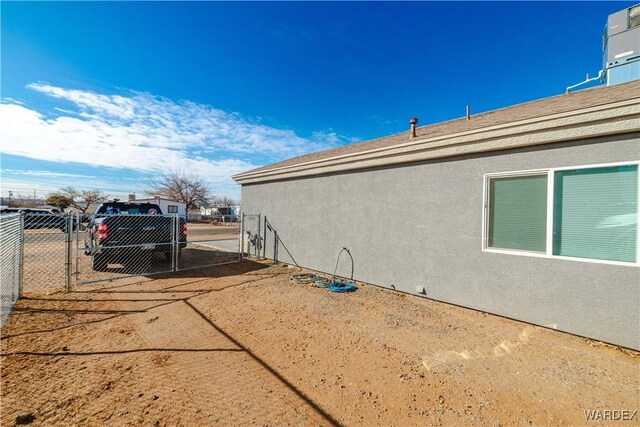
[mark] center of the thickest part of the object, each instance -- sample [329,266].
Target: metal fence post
[21,279]
[78,220]
[275,245]
[264,241]
[241,244]
[67,270]
[176,242]
[258,237]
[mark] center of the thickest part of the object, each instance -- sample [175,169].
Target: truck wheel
[99,262]
[167,255]
[146,259]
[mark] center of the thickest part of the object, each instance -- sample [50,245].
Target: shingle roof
[547,106]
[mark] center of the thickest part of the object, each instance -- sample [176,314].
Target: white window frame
[550,172]
[169,208]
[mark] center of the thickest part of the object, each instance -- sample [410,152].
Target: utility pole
[34,197]
[10,194]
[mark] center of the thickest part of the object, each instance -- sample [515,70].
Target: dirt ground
[241,345]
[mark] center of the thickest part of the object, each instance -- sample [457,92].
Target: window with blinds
[593,213]
[518,213]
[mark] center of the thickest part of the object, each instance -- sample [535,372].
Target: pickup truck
[36,218]
[128,233]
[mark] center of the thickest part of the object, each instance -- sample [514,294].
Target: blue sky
[105,95]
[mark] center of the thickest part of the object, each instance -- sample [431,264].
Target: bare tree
[181,187]
[80,200]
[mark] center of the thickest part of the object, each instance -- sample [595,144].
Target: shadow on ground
[144,337]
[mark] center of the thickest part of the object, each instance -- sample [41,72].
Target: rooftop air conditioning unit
[621,46]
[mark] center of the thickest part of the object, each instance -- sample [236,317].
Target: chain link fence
[210,242]
[113,246]
[10,265]
[46,251]
[45,256]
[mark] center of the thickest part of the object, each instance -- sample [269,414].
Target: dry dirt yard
[241,345]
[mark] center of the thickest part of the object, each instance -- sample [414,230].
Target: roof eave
[607,119]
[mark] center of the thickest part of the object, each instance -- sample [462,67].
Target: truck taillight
[184,229]
[103,232]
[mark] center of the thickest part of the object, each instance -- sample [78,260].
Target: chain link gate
[113,246]
[210,242]
[45,253]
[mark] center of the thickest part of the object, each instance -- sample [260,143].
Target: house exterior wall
[421,225]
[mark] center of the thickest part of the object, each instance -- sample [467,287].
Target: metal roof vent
[413,122]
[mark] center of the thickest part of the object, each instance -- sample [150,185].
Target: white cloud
[43,173]
[12,101]
[66,139]
[148,134]
[44,181]
[155,121]
[332,138]
[117,106]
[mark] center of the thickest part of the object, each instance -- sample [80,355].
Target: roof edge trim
[607,119]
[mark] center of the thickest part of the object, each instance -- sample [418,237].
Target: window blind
[596,212]
[518,213]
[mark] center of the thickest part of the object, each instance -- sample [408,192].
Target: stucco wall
[421,225]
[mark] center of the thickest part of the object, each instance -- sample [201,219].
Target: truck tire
[140,263]
[99,262]
[167,255]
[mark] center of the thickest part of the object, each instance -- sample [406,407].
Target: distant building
[167,206]
[221,210]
